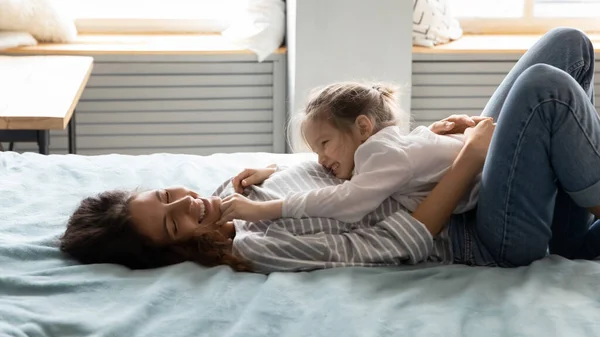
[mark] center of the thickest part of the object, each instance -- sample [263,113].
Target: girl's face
[334,147]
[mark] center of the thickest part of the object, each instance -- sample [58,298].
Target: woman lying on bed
[166,226]
[540,188]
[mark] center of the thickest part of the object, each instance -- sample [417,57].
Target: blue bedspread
[44,294]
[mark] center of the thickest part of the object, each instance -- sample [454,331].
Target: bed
[43,293]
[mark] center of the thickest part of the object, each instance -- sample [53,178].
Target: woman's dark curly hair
[101,231]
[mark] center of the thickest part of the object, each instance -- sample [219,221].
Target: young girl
[353,128]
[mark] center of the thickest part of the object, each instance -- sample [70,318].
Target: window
[525,16]
[143,16]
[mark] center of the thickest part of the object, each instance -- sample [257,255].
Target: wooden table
[38,94]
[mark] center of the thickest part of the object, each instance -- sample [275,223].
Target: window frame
[148,22]
[527,24]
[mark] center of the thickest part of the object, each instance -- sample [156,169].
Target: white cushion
[259,27]
[433,23]
[16,39]
[41,18]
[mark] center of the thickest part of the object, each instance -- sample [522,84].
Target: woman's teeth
[202,211]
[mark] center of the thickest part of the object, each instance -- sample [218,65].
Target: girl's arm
[437,208]
[382,169]
[385,168]
[433,212]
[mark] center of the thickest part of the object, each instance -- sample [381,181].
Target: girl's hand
[478,138]
[250,177]
[455,124]
[237,206]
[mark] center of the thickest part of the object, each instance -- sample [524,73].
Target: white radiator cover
[204,104]
[196,104]
[446,84]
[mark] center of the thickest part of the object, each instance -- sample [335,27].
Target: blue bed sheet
[43,293]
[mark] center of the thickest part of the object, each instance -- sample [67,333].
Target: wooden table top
[41,92]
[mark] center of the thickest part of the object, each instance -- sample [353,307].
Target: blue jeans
[543,165]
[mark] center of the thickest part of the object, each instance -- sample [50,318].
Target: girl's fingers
[237,187]
[251,180]
[238,180]
[225,217]
[226,199]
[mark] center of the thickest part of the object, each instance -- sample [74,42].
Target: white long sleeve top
[390,163]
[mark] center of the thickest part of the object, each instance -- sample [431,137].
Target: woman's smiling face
[176,213]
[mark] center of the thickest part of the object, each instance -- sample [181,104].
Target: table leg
[43,140]
[72,135]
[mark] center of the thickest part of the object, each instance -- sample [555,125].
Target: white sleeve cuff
[294,206]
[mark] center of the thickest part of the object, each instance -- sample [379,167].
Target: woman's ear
[364,126]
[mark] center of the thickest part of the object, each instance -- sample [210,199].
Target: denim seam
[535,110]
[468,251]
[576,66]
[507,202]
[572,112]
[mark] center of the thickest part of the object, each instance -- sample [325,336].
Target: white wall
[337,40]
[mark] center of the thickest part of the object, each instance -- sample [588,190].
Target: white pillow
[433,23]
[260,27]
[16,39]
[41,18]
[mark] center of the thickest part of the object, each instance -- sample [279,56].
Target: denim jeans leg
[548,135]
[567,49]
[570,225]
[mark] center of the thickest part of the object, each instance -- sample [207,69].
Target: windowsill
[490,44]
[139,44]
[178,44]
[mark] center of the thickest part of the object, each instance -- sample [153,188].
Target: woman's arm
[437,208]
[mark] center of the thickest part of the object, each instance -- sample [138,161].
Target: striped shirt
[385,237]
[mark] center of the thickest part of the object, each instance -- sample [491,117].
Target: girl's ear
[364,126]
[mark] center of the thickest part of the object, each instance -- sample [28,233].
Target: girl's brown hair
[341,103]
[100,231]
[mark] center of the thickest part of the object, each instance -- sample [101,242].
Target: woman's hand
[237,206]
[478,138]
[250,177]
[455,124]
